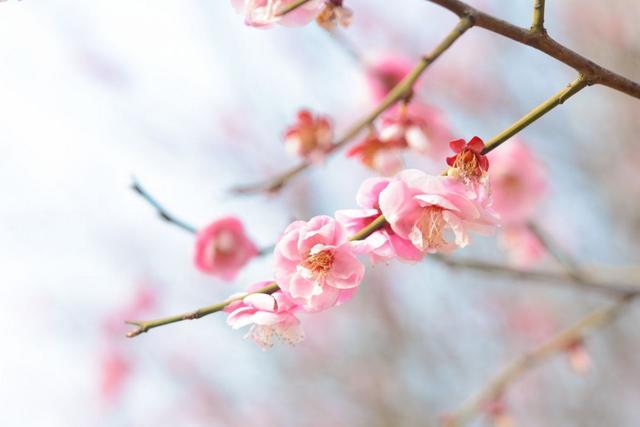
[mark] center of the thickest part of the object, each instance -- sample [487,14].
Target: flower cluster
[316,261]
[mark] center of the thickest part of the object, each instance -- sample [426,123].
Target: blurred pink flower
[419,127]
[269,315]
[386,72]
[115,370]
[384,157]
[522,245]
[383,244]
[430,210]
[334,13]
[263,13]
[518,182]
[316,265]
[310,137]
[223,248]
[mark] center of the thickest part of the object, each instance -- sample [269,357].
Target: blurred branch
[581,282]
[540,40]
[556,345]
[400,91]
[145,326]
[291,7]
[570,266]
[161,211]
[537,24]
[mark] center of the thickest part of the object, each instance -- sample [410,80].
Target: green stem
[537,23]
[377,223]
[548,105]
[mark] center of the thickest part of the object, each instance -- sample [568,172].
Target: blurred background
[192,102]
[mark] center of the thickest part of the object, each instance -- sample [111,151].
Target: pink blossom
[269,316]
[518,182]
[310,137]
[264,13]
[223,248]
[419,127]
[383,244]
[384,157]
[385,73]
[522,245]
[435,212]
[316,265]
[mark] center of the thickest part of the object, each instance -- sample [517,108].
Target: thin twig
[145,326]
[161,211]
[557,344]
[397,93]
[537,22]
[559,98]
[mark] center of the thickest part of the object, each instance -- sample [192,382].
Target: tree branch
[593,73]
[537,23]
[581,282]
[161,211]
[397,93]
[145,326]
[557,344]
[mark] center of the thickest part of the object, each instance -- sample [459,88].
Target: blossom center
[320,263]
[467,164]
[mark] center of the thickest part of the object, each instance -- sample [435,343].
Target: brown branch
[400,91]
[557,344]
[594,73]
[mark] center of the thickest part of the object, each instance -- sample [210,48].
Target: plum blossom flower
[384,157]
[523,247]
[310,137]
[416,126]
[518,182]
[385,73]
[316,265]
[269,316]
[264,13]
[383,244]
[334,13]
[435,213]
[468,163]
[223,248]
